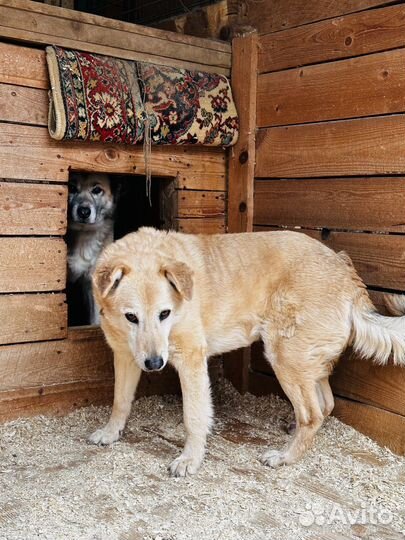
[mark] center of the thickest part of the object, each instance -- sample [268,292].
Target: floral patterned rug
[98,98]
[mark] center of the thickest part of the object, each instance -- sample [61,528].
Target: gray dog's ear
[107,277]
[180,277]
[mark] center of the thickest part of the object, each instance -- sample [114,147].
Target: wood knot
[243,157]
[242,207]
[348,41]
[111,154]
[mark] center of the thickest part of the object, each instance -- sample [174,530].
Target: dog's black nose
[83,212]
[154,364]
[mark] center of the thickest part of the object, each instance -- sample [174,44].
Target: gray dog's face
[91,201]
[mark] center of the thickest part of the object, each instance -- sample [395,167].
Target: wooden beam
[32,317]
[38,23]
[32,264]
[361,204]
[242,157]
[32,209]
[366,32]
[325,92]
[369,146]
[27,152]
[241,171]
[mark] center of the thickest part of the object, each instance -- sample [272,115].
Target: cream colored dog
[178,298]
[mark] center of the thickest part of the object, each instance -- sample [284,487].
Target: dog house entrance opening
[101,208]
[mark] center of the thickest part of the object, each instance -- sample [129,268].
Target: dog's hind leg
[127,374]
[197,411]
[326,402]
[299,380]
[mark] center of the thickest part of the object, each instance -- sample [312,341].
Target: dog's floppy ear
[180,277]
[107,277]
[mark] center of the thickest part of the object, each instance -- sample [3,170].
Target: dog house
[321,148]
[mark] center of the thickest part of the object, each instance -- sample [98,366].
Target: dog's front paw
[104,436]
[274,458]
[184,466]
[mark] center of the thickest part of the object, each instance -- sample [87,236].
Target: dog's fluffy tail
[395,303]
[377,336]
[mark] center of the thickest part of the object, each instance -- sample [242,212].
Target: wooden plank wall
[36,23]
[44,366]
[330,161]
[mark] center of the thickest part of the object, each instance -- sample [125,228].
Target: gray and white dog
[90,230]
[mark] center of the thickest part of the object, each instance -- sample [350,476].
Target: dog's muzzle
[154,364]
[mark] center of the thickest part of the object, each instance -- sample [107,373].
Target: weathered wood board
[360,204]
[27,152]
[242,155]
[28,209]
[39,23]
[357,34]
[32,264]
[325,91]
[32,317]
[367,146]
[293,13]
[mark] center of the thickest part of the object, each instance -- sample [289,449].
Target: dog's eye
[132,318]
[97,190]
[164,314]
[72,188]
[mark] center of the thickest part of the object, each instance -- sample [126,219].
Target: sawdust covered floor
[55,486]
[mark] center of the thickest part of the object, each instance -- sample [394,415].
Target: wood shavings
[55,486]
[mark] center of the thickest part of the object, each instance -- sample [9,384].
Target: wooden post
[241,172]
[242,157]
